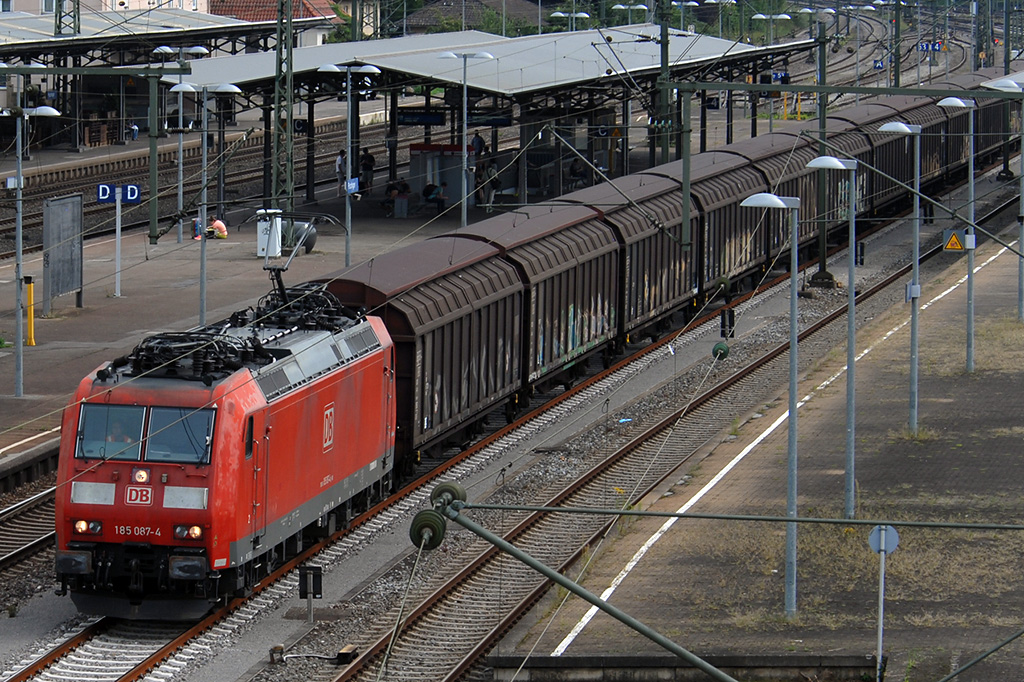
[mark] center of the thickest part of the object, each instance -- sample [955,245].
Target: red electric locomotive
[192,466]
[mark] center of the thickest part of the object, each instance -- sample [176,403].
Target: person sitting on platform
[390,194]
[434,194]
[577,174]
[217,229]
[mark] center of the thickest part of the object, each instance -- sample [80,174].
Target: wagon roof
[402,269]
[511,229]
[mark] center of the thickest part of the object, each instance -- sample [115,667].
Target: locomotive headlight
[140,475]
[83,527]
[188,532]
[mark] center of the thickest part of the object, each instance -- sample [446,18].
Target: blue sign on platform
[105,194]
[879,63]
[130,194]
[352,185]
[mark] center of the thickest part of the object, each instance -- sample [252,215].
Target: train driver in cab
[118,434]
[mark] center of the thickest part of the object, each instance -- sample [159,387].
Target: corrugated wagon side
[569,261]
[659,269]
[453,308]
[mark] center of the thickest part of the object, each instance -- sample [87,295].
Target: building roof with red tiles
[436,12]
[266,10]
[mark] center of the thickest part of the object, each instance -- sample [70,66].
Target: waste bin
[268,233]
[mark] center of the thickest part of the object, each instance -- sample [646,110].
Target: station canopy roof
[21,32]
[520,66]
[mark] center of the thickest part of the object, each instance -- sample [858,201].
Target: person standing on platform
[478,145]
[339,169]
[492,183]
[366,164]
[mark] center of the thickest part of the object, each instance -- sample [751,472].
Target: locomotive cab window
[179,435]
[110,432]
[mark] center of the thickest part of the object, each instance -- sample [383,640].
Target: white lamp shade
[766,200]
[832,163]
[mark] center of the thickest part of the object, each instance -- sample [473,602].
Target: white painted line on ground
[29,439]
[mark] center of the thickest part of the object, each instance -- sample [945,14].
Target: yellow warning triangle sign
[954,243]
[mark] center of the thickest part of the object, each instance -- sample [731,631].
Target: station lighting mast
[67,18]
[67,21]
[283,166]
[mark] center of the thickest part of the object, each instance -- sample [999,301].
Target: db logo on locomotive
[138,494]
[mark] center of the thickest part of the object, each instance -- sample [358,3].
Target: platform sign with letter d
[109,194]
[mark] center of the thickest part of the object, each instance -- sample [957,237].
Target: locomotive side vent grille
[272,383]
[315,360]
[362,342]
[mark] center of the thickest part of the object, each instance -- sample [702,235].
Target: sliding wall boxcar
[732,239]
[453,308]
[568,260]
[782,158]
[888,153]
[658,272]
[989,128]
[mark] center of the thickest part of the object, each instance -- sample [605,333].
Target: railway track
[26,529]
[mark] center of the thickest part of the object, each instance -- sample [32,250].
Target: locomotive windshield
[179,435]
[111,432]
[175,435]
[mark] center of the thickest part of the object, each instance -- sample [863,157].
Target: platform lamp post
[721,9]
[856,62]
[194,51]
[365,69]
[850,165]
[465,57]
[217,90]
[765,200]
[957,103]
[718,4]
[914,292]
[771,41]
[1009,85]
[770,18]
[682,11]
[21,121]
[220,95]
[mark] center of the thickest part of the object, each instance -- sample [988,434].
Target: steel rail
[19,507]
[25,551]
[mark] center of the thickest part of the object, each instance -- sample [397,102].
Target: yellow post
[29,291]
